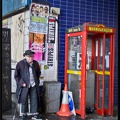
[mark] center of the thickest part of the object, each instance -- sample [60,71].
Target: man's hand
[24,85]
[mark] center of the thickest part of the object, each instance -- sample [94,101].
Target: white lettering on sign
[51,30]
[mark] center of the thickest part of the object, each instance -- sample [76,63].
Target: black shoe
[24,117]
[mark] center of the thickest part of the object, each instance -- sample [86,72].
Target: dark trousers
[33,101]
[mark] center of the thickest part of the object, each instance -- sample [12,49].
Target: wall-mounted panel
[6,69]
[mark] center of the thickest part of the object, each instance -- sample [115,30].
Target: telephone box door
[75,64]
[104,74]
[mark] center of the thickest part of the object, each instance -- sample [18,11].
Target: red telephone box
[89,51]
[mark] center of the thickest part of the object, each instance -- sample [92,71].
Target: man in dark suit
[27,75]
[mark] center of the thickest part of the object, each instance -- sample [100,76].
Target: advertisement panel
[39,18]
[37,44]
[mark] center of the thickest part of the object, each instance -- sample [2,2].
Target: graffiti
[20,23]
[7,61]
[5,55]
[4,77]
[17,37]
[6,47]
[5,36]
[6,70]
[6,93]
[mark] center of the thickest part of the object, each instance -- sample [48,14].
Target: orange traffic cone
[65,110]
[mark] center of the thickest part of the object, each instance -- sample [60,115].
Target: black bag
[89,110]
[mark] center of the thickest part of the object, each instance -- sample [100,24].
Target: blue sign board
[9,6]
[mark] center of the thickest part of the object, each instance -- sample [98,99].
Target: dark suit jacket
[22,76]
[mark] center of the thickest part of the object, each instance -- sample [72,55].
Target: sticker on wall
[79,61]
[46,67]
[51,29]
[5,23]
[39,18]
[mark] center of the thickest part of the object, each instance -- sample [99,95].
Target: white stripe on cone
[71,102]
[65,96]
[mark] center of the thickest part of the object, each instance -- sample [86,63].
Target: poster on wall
[5,23]
[51,43]
[37,44]
[39,18]
[17,37]
[38,29]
